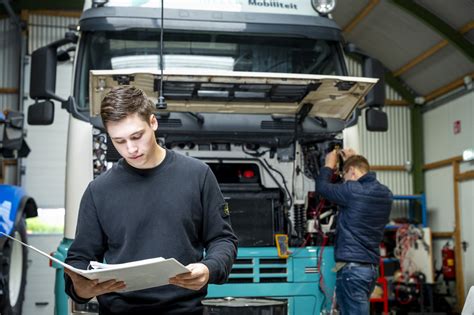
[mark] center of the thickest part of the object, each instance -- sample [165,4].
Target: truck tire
[14,266]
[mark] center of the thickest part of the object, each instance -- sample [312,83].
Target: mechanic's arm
[337,193]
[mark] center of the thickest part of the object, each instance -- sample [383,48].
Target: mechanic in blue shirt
[364,210]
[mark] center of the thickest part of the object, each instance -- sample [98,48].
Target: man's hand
[88,289]
[331,159]
[194,280]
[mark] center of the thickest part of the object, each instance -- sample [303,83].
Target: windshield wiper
[321,121]
[198,116]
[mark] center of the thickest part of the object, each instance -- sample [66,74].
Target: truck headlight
[324,7]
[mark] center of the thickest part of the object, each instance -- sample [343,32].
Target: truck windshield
[231,52]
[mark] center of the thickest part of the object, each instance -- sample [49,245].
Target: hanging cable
[288,198]
[161,99]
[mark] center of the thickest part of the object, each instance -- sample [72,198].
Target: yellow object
[282,245]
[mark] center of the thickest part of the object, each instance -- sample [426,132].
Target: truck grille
[259,270]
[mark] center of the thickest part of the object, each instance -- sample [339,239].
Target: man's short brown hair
[356,161]
[123,101]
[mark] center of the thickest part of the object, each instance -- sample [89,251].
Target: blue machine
[12,200]
[15,207]
[259,272]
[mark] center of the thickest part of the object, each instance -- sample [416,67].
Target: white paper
[137,275]
[469,303]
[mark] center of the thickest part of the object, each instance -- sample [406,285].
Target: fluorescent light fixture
[468,155]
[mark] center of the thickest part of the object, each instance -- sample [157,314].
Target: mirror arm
[354,118]
[70,106]
[69,38]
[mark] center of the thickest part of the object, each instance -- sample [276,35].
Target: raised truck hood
[230,92]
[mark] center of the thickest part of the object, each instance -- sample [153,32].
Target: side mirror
[43,69]
[43,74]
[376,120]
[41,113]
[372,68]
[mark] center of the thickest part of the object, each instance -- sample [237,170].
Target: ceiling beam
[438,25]
[428,53]
[59,13]
[392,102]
[448,87]
[19,5]
[360,16]
[400,87]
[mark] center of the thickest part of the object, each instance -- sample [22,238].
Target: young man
[364,210]
[152,203]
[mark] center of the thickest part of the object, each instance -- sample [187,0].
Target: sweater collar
[147,171]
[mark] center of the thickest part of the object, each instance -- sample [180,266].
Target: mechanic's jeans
[354,284]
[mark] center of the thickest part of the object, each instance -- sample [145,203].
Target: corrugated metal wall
[44,29]
[9,62]
[388,148]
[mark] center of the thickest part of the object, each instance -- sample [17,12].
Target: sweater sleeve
[89,242]
[338,193]
[219,239]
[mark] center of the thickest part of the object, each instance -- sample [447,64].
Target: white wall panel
[440,199]
[440,142]
[466,197]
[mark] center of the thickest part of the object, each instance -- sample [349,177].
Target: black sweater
[174,210]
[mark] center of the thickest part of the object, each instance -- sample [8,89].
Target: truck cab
[256,89]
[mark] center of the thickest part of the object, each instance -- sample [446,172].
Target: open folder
[137,275]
